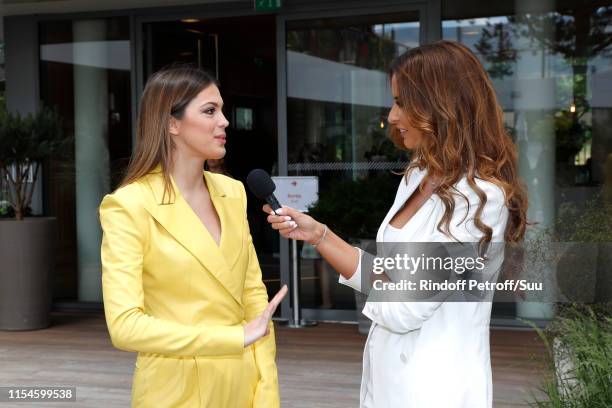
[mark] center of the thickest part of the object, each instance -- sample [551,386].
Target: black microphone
[262,186]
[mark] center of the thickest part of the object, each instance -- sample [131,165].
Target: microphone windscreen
[260,183]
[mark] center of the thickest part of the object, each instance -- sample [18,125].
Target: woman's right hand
[294,224]
[259,327]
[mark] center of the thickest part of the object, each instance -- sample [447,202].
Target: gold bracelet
[322,236]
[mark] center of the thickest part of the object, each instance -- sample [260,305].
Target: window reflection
[85,73]
[552,70]
[337,106]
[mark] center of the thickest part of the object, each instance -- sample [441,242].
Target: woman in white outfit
[461,186]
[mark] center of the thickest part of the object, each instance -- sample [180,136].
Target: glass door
[241,53]
[338,98]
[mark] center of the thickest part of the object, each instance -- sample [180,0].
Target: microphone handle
[273,202]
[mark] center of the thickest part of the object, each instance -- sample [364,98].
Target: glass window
[338,98]
[3,187]
[552,69]
[2,77]
[85,73]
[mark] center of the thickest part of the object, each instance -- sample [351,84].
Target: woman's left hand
[259,327]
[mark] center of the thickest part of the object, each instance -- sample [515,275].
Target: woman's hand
[258,327]
[293,224]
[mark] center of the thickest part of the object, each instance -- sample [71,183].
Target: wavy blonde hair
[447,95]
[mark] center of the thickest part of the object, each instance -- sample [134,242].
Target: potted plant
[27,241]
[578,341]
[579,337]
[355,209]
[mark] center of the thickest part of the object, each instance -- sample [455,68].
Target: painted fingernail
[287,218]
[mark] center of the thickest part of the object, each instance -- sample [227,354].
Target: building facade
[306,91]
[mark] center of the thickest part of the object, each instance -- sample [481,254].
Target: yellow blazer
[178,299]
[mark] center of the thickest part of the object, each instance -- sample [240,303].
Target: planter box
[27,256]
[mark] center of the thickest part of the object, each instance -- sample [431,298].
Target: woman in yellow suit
[181,281]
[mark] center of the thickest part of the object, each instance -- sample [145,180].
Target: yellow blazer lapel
[233,220]
[178,218]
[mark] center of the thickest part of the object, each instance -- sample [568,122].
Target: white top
[431,354]
[392,234]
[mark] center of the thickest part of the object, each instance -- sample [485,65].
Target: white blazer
[432,354]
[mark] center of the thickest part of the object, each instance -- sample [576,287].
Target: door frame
[430,25]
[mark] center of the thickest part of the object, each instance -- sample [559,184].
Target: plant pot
[564,367]
[27,251]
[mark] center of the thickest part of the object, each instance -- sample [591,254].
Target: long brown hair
[447,95]
[167,93]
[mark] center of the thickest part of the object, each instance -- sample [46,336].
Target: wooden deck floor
[319,367]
